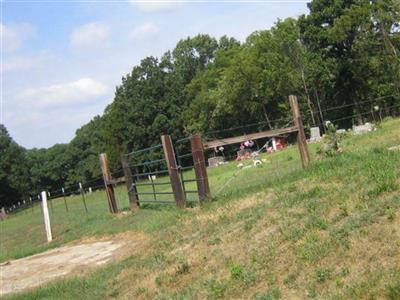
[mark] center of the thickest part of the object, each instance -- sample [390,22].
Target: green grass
[23,233]
[331,231]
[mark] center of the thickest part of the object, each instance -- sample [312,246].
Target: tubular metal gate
[161,174]
[151,183]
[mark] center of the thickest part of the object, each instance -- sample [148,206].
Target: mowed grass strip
[329,232]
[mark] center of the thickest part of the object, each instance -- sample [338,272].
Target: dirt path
[33,271]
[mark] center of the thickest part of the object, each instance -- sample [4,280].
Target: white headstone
[214,161]
[315,134]
[361,129]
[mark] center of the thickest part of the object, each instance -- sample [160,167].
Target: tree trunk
[319,108]
[266,117]
[308,97]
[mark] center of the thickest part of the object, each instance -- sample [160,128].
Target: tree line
[344,53]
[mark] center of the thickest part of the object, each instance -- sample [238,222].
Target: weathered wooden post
[3,214]
[46,217]
[172,166]
[112,204]
[40,203]
[200,169]
[51,202]
[301,137]
[30,199]
[65,200]
[82,191]
[133,201]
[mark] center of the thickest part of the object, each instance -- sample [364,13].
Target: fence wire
[150,172]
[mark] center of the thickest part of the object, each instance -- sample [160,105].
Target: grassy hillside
[331,231]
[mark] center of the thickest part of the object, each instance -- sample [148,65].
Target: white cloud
[155,5]
[27,62]
[14,36]
[91,34]
[81,91]
[144,31]
[17,63]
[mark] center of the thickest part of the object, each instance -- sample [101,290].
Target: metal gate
[149,172]
[161,174]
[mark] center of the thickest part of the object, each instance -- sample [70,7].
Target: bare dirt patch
[73,259]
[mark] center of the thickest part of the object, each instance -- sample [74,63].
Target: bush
[332,141]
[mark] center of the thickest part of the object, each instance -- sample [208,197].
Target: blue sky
[61,60]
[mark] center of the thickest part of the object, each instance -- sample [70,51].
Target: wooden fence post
[200,169]
[51,203]
[112,204]
[65,200]
[301,137]
[134,203]
[30,199]
[172,166]
[82,191]
[3,214]
[46,217]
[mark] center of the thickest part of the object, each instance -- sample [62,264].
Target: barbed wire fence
[373,110]
[62,195]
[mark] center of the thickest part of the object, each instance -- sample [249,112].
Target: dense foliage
[343,53]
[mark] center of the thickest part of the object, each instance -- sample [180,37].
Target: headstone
[315,134]
[341,131]
[361,129]
[90,190]
[215,161]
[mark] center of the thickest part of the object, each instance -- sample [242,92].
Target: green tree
[356,39]
[14,175]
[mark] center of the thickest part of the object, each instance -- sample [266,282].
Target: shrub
[331,146]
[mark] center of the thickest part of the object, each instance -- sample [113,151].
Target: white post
[46,217]
[274,144]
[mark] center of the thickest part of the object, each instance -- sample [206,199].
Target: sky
[61,60]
